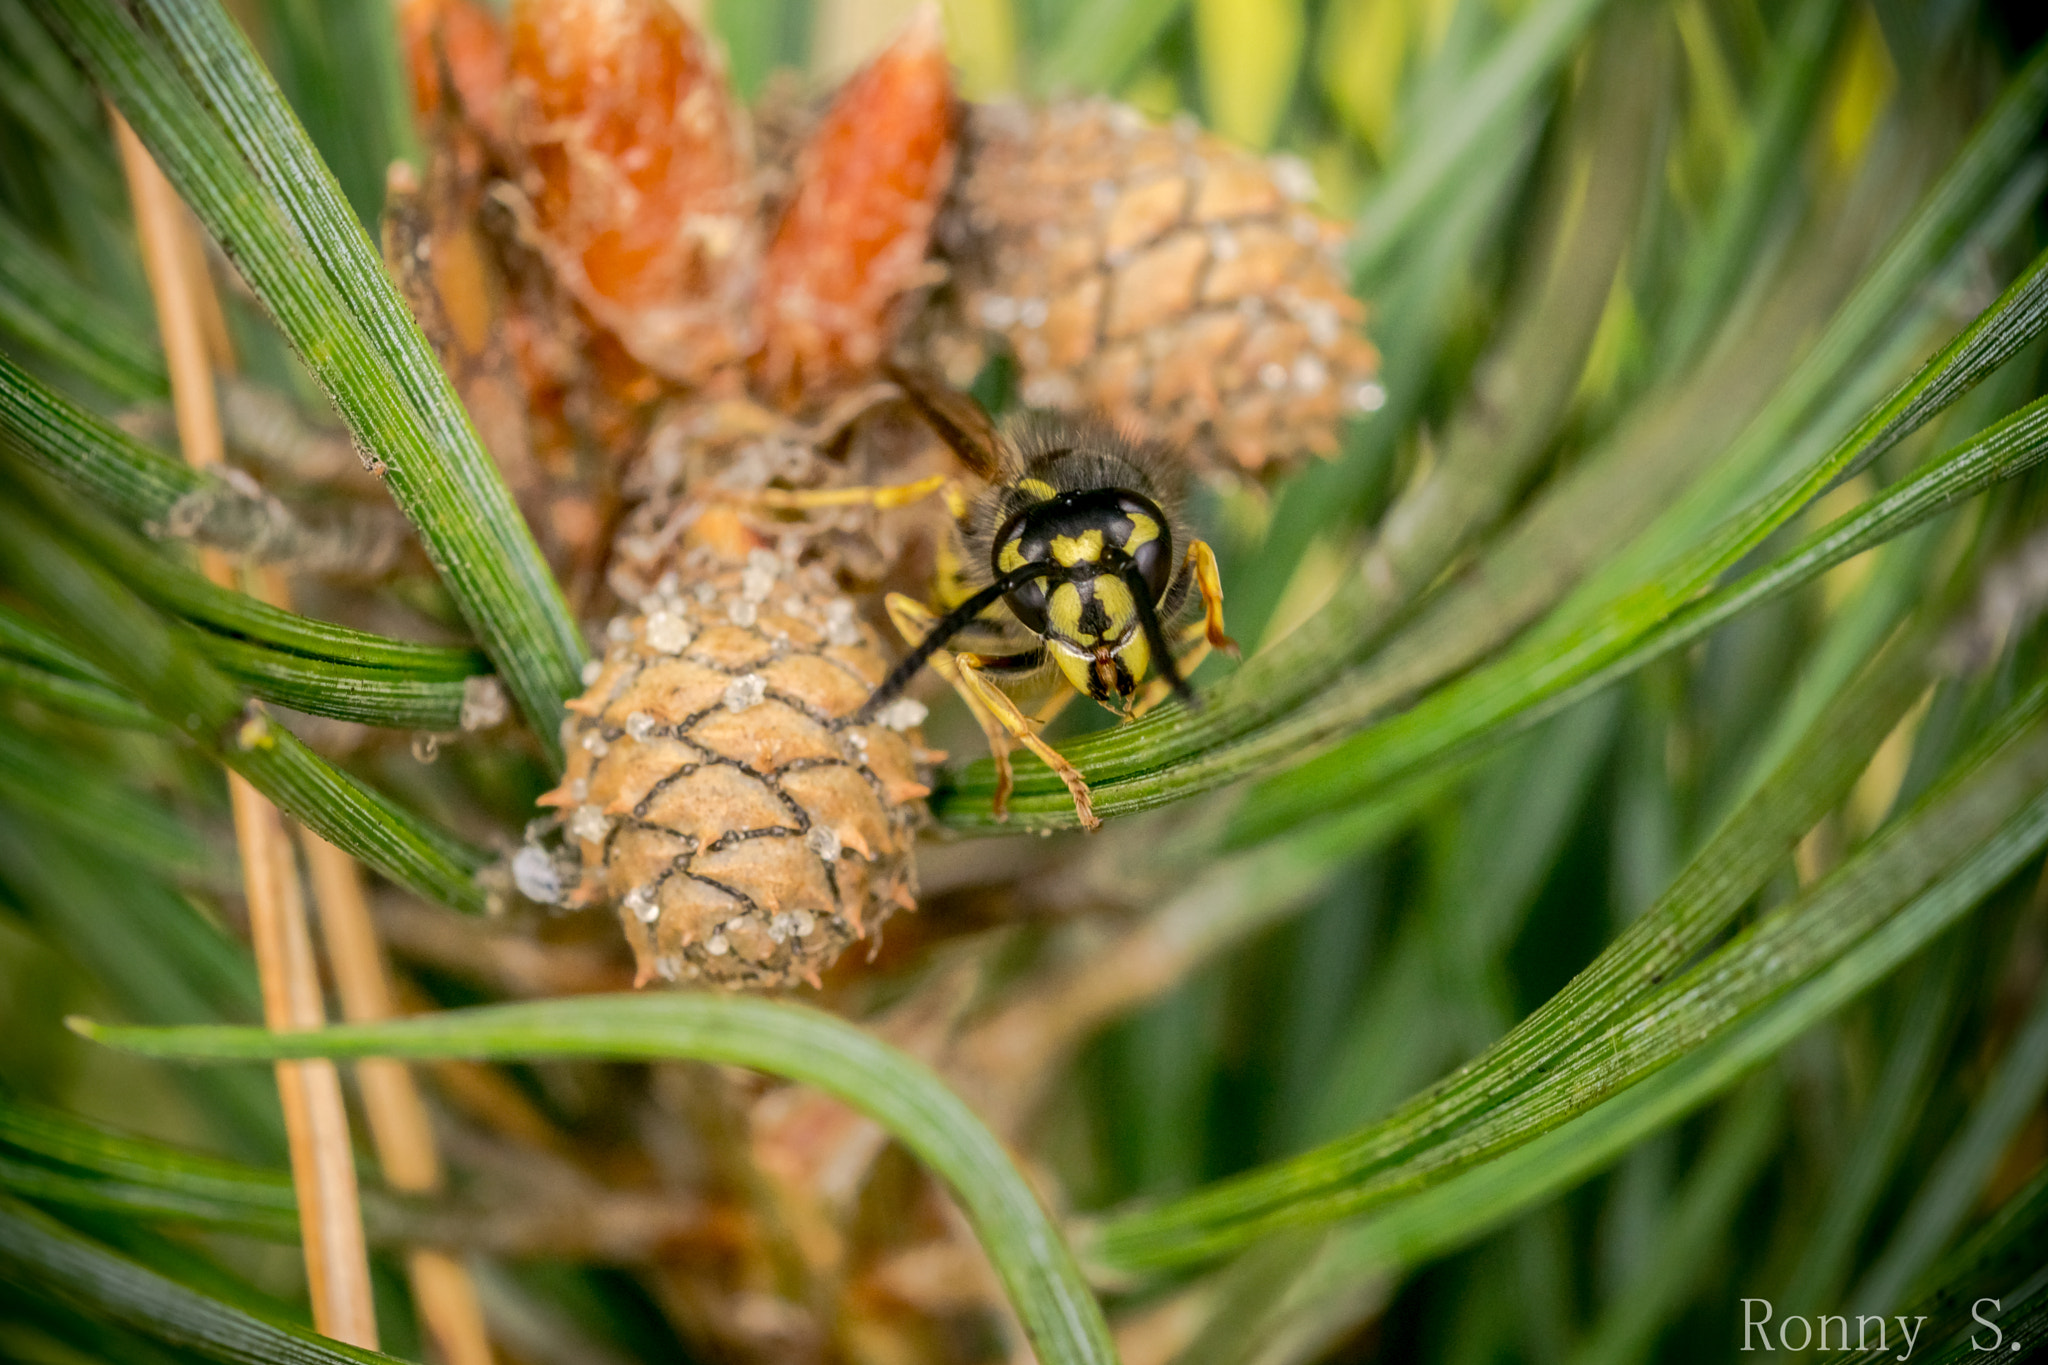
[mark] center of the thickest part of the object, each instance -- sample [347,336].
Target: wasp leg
[956,502]
[1004,725]
[1210,582]
[1020,729]
[882,497]
[913,621]
[951,587]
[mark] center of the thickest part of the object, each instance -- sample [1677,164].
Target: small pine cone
[854,235]
[1158,274]
[717,791]
[458,47]
[639,176]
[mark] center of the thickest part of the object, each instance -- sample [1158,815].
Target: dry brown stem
[316,1123]
[399,1127]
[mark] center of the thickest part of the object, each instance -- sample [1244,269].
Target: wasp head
[1106,559]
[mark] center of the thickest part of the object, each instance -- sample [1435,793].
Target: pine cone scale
[1155,286]
[1143,214]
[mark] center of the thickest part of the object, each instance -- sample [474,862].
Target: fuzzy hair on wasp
[1072,553]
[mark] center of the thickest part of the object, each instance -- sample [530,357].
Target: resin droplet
[533,872]
[746,691]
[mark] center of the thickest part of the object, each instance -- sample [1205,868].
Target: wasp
[1072,556]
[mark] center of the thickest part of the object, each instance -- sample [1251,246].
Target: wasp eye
[1150,542]
[1015,546]
[1152,562]
[1027,604]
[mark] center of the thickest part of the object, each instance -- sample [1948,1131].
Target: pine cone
[717,792]
[638,173]
[853,237]
[746,831]
[1155,273]
[456,58]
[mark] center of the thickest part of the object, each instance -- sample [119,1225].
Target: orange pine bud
[638,174]
[854,236]
[458,43]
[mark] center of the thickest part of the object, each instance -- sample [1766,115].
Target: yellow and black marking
[1072,555]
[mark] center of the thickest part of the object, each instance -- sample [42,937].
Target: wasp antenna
[1155,636]
[951,624]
